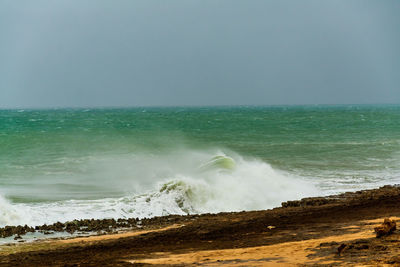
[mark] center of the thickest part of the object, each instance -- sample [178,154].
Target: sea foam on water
[194,182]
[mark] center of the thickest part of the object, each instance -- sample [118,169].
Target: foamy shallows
[61,165]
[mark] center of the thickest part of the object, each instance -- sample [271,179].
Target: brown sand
[285,254]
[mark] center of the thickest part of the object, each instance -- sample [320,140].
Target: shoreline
[303,232]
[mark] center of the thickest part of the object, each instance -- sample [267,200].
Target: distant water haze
[190,52]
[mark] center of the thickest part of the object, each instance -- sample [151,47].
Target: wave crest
[227,184]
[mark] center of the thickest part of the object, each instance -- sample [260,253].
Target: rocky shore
[308,232]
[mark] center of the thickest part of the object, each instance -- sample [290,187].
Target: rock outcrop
[386,228]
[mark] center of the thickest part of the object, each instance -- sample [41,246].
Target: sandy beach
[307,232]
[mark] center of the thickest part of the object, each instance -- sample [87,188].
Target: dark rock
[341,248]
[386,228]
[354,197]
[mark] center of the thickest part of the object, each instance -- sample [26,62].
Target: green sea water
[110,162]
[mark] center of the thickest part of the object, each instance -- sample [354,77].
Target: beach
[307,232]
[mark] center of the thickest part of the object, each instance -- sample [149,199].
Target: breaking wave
[185,184]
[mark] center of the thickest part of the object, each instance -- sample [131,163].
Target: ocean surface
[65,164]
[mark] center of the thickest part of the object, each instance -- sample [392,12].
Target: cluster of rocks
[309,201]
[355,245]
[15,230]
[363,195]
[90,225]
[386,228]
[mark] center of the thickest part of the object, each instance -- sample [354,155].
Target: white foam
[9,215]
[251,185]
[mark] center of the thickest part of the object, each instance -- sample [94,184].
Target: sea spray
[249,185]
[9,215]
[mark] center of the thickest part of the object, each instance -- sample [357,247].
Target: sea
[66,164]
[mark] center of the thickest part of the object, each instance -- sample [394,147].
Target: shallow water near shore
[65,164]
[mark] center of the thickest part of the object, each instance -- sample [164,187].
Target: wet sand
[302,233]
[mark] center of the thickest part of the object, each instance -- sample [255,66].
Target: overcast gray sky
[204,52]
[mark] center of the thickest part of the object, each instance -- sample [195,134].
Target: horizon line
[193,106]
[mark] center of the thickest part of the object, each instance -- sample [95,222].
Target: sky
[98,53]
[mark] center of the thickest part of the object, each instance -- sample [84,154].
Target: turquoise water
[66,163]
